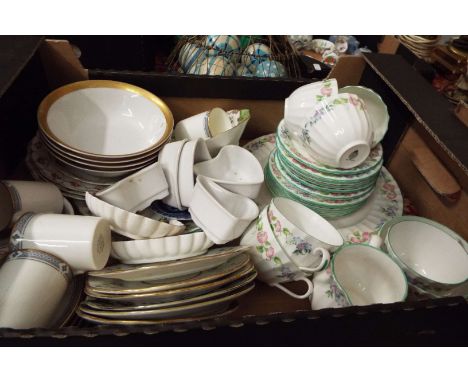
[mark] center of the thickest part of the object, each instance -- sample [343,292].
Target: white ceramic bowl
[105,118]
[203,125]
[234,168]
[164,249]
[376,108]
[192,152]
[169,158]
[337,132]
[428,251]
[222,214]
[137,191]
[129,224]
[229,137]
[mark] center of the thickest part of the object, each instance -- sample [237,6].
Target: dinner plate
[116,286]
[108,321]
[174,295]
[126,306]
[170,269]
[194,309]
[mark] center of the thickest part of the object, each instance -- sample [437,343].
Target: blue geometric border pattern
[44,258]
[18,231]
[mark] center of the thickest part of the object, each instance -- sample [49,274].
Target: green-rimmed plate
[300,155]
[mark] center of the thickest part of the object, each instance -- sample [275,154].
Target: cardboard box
[291,321]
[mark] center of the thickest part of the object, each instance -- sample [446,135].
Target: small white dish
[193,152]
[105,118]
[204,125]
[164,249]
[376,108]
[129,224]
[235,169]
[239,119]
[223,215]
[137,191]
[169,158]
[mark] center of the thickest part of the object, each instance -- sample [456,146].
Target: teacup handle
[310,288]
[375,241]
[323,264]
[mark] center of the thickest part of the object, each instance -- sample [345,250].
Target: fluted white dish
[234,168]
[129,224]
[304,98]
[193,152]
[164,249]
[220,213]
[338,132]
[137,191]
[376,108]
[169,158]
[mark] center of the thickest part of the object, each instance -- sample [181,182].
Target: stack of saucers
[198,288]
[328,156]
[100,131]
[421,46]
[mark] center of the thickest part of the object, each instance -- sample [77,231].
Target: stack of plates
[421,46]
[103,129]
[331,192]
[201,287]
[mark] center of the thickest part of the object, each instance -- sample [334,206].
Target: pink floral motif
[391,195]
[270,215]
[360,238]
[278,226]
[270,253]
[262,237]
[389,186]
[353,100]
[326,91]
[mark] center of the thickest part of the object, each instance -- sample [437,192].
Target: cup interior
[368,276]
[429,251]
[308,221]
[218,121]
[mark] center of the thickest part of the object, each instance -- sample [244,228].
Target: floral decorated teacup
[305,236]
[359,274]
[274,267]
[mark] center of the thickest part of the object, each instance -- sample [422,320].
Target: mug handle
[323,264]
[310,288]
[375,241]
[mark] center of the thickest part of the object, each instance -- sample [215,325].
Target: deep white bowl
[105,118]
[337,132]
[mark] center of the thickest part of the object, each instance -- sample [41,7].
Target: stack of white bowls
[103,129]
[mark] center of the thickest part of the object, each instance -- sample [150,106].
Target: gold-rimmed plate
[108,321]
[190,310]
[212,290]
[170,269]
[171,295]
[116,286]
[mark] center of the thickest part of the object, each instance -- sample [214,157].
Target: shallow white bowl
[337,132]
[221,214]
[137,191]
[429,250]
[376,108]
[192,152]
[129,224]
[86,173]
[164,249]
[234,168]
[105,118]
[169,158]
[229,137]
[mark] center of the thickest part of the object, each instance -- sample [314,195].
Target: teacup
[32,284]
[273,265]
[222,214]
[169,158]
[359,274]
[83,242]
[305,236]
[204,125]
[433,257]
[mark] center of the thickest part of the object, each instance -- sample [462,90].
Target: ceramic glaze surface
[105,121]
[429,251]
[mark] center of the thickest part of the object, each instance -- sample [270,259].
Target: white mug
[204,125]
[32,285]
[84,242]
[37,197]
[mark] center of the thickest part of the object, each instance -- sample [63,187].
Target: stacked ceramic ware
[328,155]
[421,46]
[92,133]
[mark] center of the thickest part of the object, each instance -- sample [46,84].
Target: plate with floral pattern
[284,137]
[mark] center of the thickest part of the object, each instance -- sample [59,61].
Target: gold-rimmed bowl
[101,120]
